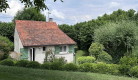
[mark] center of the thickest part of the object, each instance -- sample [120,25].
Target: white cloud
[14,7]
[81,18]
[57,14]
[114,5]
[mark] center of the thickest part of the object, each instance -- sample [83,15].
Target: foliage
[134,71]
[105,57]
[46,66]
[99,68]
[29,14]
[70,67]
[96,49]
[83,33]
[33,64]
[61,60]
[5,46]
[56,66]
[126,63]
[1,55]
[49,54]
[7,30]
[87,67]
[118,38]
[88,59]
[38,4]
[80,53]
[22,63]
[7,62]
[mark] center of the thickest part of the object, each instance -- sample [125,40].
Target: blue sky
[73,11]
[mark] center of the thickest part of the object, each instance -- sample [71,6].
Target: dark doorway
[32,54]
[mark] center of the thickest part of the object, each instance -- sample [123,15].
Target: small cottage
[33,38]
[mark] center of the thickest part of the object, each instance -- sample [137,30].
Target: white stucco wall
[40,54]
[17,42]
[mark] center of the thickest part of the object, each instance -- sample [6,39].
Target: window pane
[60,49]
[64,48]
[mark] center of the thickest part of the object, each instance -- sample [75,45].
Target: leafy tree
[96,49]
[83,32]
[7,30]
[38,4]
[29,14]
[5,46]
[118,38]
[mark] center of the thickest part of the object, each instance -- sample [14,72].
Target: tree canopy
[83,32]
[29,14]
[38,4]
[7,30]
[118,38]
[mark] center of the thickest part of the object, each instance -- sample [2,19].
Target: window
[44,48]
[63,49]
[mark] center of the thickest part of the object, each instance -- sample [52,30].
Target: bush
[7,62]
[87,67]
[87,59]
[56,66]
[21,63]
[134,71]
[33,64]
[96,49]
[70,67]
[126,63]
[61,60]
[46,66]
[99,68]
[104,57]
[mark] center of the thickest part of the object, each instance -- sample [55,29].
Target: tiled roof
[40,33]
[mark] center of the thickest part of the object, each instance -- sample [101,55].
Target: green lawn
[19,73]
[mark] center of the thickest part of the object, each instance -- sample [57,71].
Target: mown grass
[19,73]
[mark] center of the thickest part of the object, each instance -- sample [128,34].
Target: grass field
[19,73]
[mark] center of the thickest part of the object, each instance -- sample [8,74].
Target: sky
[73,11]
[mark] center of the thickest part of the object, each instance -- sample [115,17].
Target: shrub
[134,71]
[70,67]
[99,68]
[7,62]
[33,64]
[87,59]
[113,69]
[22,63]
[87,67]
[46,66]
[104,57]
[61,60]
[96,49]
[107,68]
[56,66]
[5,46]
[126,63]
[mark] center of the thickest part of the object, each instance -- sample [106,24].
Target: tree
[38,4]
[96,49]
[29,14]
[118,38]
[5,46]
[7,30]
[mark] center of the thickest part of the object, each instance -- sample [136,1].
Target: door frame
[32,53]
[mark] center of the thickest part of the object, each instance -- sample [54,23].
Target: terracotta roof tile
[37,33]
